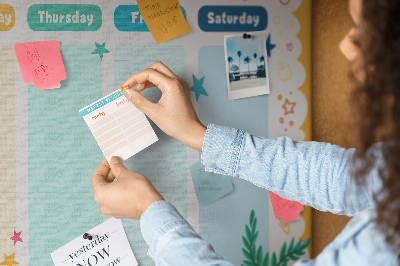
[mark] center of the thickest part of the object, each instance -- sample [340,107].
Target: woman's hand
[127,197]
[174,112]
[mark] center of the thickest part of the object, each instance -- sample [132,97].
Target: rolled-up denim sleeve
[313,173]
[172,241]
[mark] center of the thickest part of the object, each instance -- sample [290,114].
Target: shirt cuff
[158,219]
[221,150]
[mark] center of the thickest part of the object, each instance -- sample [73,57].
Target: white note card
[118,126]
[109,247]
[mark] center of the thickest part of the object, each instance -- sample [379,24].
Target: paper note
[209,186]
[284,209]
[41,64]
[164,18]
[109,246]
[118,126]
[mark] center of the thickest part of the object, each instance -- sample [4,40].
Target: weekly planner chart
[247,65]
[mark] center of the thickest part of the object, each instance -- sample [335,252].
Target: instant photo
[246,65]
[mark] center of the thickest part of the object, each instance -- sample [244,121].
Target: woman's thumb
[117,167]
[138,100]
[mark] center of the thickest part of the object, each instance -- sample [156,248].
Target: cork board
[46,134]
[330,92]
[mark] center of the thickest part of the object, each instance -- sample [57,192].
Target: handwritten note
[118,126]
[41,64]
[164,18]
[209,186]
[284,209]
[109,246]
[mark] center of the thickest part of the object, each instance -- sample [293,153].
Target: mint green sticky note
[209,186]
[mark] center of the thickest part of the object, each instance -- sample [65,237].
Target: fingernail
[125,88]
[115,160]
[128,93]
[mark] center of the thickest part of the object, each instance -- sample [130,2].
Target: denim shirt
[312,173]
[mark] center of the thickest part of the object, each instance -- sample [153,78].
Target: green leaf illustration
[305,243]
[266,259]
[248,234]
[282,252]
[248,263]
[253,253]
[273,259]
[246,243]
[246,254]
[291,245]
[253,226]
[255,238]
[260,255]
[297,245]
[255,257]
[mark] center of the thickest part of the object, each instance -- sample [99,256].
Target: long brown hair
[375,103]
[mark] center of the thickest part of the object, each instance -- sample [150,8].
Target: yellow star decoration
[9,261]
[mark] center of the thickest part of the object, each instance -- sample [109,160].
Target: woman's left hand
[127,197]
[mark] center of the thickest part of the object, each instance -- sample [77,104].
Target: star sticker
[285,106]
[16,237]
[100,50]
[198,87]
[270,46]
[9,260]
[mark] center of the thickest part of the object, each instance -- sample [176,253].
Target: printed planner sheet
[118,126]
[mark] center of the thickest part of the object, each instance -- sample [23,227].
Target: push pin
[246,36]
[88,236]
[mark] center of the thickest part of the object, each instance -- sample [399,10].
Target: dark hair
[375,103]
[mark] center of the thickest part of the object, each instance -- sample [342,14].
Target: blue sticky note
[209,186]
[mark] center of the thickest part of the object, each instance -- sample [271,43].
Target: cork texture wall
[331,89]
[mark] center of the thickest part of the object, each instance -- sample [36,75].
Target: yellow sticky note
[164,18]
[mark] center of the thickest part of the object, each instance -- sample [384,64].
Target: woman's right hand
[173,113]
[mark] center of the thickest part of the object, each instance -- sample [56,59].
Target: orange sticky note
[41,64]
[284,209]
[164,18]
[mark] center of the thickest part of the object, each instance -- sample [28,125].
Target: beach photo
[246,65]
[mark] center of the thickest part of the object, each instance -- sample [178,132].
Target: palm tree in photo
[247,61]
[262,59]
[230,60]
[255,60]
[239,53]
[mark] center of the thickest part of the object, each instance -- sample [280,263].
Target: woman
[362,182]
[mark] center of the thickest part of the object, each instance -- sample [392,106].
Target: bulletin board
[49,155]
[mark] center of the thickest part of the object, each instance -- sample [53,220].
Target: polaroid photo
[246,65]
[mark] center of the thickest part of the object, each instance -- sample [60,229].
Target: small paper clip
[246,36]
[88,236]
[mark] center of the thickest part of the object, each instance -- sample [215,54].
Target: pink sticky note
[41,63]
[284,209]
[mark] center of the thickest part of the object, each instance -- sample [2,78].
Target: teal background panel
[62,156]
[165,162]
[222,223]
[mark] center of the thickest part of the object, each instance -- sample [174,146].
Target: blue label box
[233,18]
[93,107]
